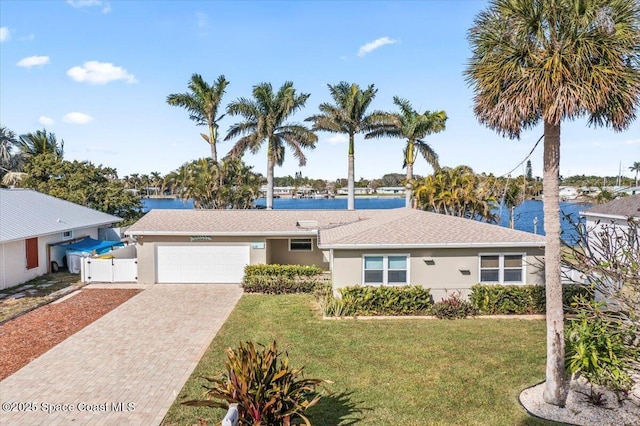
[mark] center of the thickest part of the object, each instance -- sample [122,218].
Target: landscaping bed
[39,291]
[411,372]
[28,336]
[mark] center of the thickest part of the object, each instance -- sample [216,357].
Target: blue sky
[97,74]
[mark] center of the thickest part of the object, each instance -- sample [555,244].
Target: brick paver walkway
[127,367]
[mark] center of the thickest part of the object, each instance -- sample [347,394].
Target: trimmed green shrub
[266,388]
[495,299]
[288,271]
[453,307]
[385,300]
[282,279]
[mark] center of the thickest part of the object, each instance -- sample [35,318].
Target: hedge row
[492,299]
[385,300]
[282,279]
[416,300]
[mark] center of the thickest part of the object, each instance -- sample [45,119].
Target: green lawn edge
[386,372]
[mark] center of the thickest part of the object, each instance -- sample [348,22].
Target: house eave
[310,233]
[607,216]
[537,244]
[24,237]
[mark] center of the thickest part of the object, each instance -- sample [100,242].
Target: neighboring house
[361,247]
[609,222]
[391,190]
[568,193]
[357,191]
[616,212]
[31,224]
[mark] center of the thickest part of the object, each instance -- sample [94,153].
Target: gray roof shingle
[242,222]
[623,207]
[25,214]
[337,228]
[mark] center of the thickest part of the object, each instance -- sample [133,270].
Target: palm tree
[265,120]
[409,124]
[40,142]
[347,116]
[544,61]
[203,102]
[635,168]
[8,141]
[10,163]
[512,197]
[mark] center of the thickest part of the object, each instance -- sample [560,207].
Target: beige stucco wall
[279,253]
[13,257]
[146,248]
[437,269]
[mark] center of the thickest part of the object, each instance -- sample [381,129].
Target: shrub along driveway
[387,372]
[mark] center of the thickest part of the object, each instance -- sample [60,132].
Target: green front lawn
[387,372]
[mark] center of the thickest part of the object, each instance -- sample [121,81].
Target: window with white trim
[385,269]
[502,268]
[67,235]
[300,244]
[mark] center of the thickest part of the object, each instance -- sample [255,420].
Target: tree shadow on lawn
[336,409]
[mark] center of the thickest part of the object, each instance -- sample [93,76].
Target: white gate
[109,270]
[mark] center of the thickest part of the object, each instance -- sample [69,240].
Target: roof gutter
[310,233]
[24,237]
[608,216]
[539,244]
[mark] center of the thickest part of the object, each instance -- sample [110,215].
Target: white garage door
[201,263]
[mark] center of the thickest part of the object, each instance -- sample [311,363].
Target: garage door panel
[201,263]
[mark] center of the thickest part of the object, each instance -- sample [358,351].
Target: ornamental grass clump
[266,388]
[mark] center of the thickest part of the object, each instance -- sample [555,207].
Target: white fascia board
[538,244]
[224,234]
[26,237]
[606,216]
[602,215]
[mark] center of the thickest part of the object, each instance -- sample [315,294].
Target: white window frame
[304,238]
[385,268]
[67,237]
[501,268]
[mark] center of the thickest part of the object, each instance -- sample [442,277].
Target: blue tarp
[89,245]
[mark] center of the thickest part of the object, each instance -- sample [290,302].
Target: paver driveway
[127,367]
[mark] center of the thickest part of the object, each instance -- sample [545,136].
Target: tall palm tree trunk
[555,388]
[212,142]
[408,193]
[270,165]
[351,180]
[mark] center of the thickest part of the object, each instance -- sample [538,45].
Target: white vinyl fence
[109,270]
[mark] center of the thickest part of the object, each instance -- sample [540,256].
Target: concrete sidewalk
[126,368]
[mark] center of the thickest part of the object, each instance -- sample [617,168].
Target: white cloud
[77,118]
[106,7]
[94,72]
[633,142]
[45,121]
[5,34]
[30,37]
[339,138]
[33,61]
[373,45]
